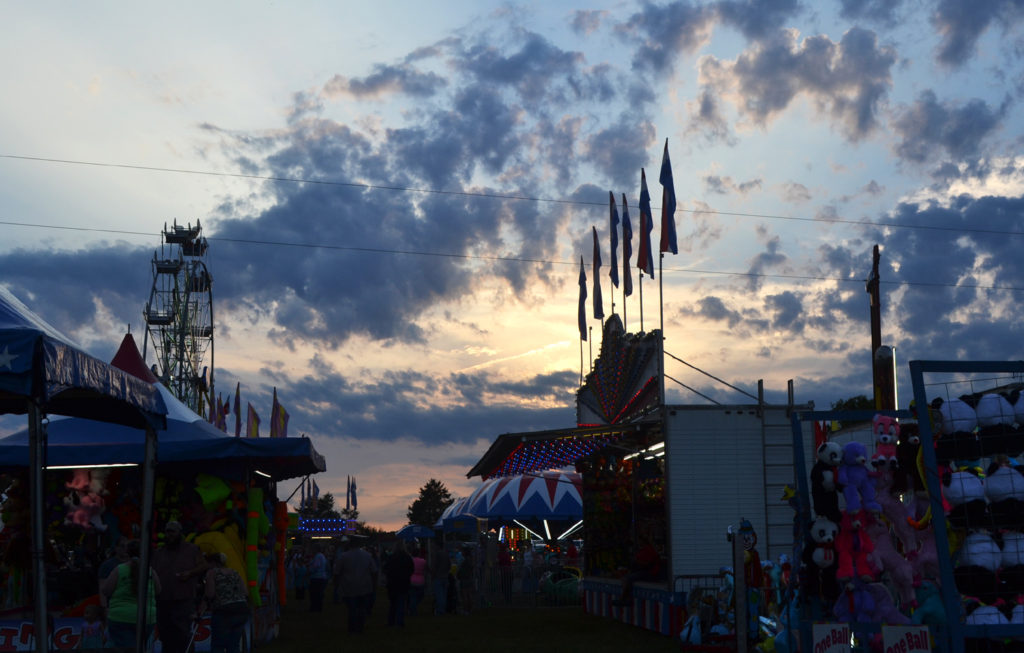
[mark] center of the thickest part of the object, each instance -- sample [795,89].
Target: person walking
[398,574]
[467,579]
[179,565]
[439,565]
[227,599]
[418,581]
[505,572]
[120,591]
[358,573]
[318,573]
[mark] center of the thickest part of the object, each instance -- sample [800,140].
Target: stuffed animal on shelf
[1004,489]
[887,560]
[996,422]
[1011,566]
[895,510]
[79,480]
[855,604]
[925,560]
[965,492]
[977,564]
[886,431]
[820,561]
[854,477]
[854,547]
[885,608]
[959,428]
[906,479]
[930,611]
[825,487]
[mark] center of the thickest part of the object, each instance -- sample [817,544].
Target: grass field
[489,630]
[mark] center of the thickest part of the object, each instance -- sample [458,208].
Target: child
[92,630]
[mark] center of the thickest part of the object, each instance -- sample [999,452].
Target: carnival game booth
[43,372]
[220,488]
[677,477]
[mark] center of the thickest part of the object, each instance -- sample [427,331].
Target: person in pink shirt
[418,580]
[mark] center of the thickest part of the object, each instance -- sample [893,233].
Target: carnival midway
[145,514]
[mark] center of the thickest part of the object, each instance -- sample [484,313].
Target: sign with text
[830,638]
[905,639]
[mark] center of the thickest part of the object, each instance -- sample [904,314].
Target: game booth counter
[221,488]
[675,478]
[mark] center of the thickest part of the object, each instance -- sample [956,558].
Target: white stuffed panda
[825,487]
[820,561]
[957,416]
[975,573]
[965,492]
[1004,488]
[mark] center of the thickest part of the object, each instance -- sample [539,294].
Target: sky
[397,199]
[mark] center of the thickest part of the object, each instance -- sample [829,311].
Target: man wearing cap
[181,563]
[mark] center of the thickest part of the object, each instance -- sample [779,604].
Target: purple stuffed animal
[858,487]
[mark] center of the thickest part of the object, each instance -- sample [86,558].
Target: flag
[274,407]
[212,419]
[613,228]
[644,260]
[348,493]
[316,493]
[583,302]
[252,426]
[598,302]
[627,249]
[238,409]
[354,503]
[668,205]
[302,495]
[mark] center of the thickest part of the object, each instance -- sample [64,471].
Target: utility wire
[499,196]
[726,383]
[512,259]
[696,392]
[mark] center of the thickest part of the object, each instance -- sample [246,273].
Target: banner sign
[905,639]
[830,638]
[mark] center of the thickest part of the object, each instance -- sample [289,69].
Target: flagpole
[641,278]
[590,346]
[581,363]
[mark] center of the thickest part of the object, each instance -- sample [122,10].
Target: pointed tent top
[130,360]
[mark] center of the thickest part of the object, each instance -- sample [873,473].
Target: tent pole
[145,537]
[37,464]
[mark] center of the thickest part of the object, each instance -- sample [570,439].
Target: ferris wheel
[179,316]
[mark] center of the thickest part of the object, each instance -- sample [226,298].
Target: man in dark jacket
[397,572]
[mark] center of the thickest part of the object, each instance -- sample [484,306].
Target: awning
[521,453]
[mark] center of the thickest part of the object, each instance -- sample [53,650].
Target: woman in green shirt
[120,589]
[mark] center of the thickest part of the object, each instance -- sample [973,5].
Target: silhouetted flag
[583,302]
[355,503]
[668,205]
[274,408]
[598,301]
[644,259]
[613,229]
[238,409]
[627,249]
[348,493]
[252,426]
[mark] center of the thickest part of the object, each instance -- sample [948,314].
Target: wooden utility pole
[882,358]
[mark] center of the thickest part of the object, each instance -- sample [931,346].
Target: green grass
[489,630]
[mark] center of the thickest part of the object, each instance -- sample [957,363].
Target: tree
[324,509]
[434,498]
[860,402]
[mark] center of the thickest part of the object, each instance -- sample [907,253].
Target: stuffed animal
[887,560]
[885,608]
[978,561]
[856,604]
[79,480]
[979,613]
[959,428]
[930,610]
[854,546]
[965,492]
[894,510]
[1011,566]
[820,562]
[886,431]
[858,488]
[925,560]
[906,479]
[1004,489]
[824,483]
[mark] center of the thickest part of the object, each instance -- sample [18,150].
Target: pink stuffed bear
[887,559]
[894,510]
[886,431]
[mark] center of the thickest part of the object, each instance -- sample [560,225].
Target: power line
[512,259]
[499,196]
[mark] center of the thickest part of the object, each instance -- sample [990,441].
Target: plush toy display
[894,510]
[978,562]
[886,431]
[854,548]
[820,561]
[887,560]
[824,481]
[906,479]
[965,492]
[858,488]
[930,611]
[885,608]
[955,416]
[856,604]
[925,560]
[1004,489]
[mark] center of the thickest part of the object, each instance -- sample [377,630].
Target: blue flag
[627,249]
[613,229]
[354,502]
[598,301]
[645,257]
[668,205]
[582,318]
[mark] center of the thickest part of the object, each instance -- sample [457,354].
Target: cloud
[795,192]
[957,129]
[878,11]
[587,21]
[847,80]
[962,22]
[707,120]
[725,185]
[757,18]
[714,309]
[661,32]
[386,80]
[764,261]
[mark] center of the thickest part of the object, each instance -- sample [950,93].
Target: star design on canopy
[6,358]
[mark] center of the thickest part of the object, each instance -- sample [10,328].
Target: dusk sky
[397,197]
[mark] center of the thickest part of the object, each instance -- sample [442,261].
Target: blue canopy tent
[415,531]
[43,372]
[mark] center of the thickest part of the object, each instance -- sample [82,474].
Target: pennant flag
[348,493]
[613,228]
[302,495]
[274,407]
[212,419]
[252,426]
[598,302]
[238,409]
[627,249]
[225,410]
[316,493]
[354,503]
[583,302]
[668,205]
[644,260]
